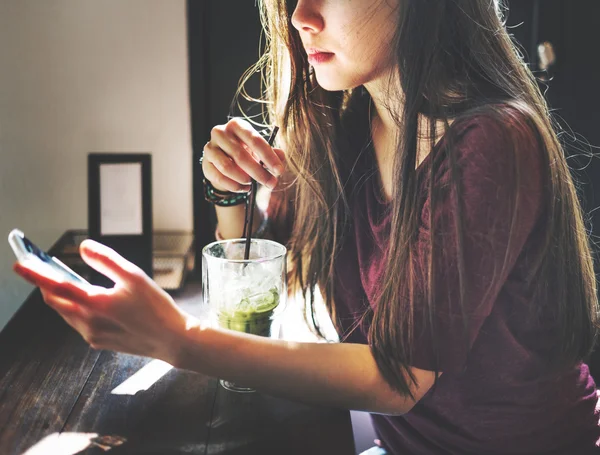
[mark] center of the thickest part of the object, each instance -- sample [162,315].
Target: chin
[333,84]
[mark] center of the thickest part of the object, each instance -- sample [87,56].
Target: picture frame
[120,206]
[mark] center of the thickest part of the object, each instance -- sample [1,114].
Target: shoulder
[500,159]
[496,130]
[499,142]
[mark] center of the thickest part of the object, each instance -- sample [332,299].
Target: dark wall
[572,27]
[224,40]
[234,47]
[573,93]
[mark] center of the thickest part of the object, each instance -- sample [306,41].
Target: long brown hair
[454,58]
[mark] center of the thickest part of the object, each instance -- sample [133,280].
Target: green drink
[253,314]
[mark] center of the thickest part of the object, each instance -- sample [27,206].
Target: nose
[306,17]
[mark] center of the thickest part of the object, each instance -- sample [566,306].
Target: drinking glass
[244,295]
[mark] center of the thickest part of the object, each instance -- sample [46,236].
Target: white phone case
[39,259]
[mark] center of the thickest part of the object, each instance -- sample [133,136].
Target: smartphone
[30,255]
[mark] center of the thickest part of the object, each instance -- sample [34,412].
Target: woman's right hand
[233,155]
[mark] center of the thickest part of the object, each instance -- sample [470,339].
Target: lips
[316,56]
[316,50]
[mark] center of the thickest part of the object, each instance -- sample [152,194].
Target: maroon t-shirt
[496,395]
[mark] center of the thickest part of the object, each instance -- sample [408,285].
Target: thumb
[280,154]
[108,262]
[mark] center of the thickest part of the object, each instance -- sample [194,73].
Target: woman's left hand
[136,316]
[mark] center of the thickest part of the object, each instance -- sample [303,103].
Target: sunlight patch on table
[143,379]
[70,443]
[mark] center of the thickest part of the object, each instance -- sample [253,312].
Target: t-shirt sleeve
[487,159]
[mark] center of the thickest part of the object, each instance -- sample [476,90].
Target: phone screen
[62,270]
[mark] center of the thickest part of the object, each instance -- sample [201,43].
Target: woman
[430,202]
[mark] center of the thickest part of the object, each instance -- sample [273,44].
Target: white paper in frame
[121,199]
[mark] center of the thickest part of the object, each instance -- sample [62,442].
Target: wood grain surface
[54,386]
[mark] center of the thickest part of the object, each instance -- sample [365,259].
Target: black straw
[248,219]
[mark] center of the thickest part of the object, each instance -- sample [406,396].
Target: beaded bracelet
[221,198]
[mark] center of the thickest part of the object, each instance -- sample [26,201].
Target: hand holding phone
[32,256]
[137,316]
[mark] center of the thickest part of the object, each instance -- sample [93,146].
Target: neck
[385,101]
[388,106]
[384,129]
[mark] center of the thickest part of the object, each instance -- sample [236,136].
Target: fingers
[235,152]
[110,263]
[224,139]
[64,289]
[219,174]
[73,314]
[65,307]
[281,154]
[93,327]
[89,311]
[249,136]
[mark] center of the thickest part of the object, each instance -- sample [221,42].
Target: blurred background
[81,76]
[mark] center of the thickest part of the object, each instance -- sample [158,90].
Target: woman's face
[348,42]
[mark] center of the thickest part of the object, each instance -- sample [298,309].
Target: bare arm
[230,221]
[137,317]
[328,374]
